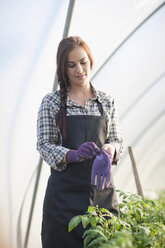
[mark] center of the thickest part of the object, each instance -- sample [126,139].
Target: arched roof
[127,41]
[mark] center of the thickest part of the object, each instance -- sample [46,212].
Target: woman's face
[78,67]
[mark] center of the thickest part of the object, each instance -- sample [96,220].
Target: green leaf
[74,222]
[92,210]
[139,212]
[87,239]
[93,221]
[121,193]
[95,232]
[147,243]
[96,241]
[85,220]
[104,210]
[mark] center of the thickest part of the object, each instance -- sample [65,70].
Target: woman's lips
[81,76]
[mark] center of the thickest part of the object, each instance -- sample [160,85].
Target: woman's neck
[81,94]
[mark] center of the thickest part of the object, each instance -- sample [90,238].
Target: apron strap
[99,105]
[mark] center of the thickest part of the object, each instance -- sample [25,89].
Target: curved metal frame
[145,130]
[124,41]
[141,96]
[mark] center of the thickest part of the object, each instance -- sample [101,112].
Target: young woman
[77,128]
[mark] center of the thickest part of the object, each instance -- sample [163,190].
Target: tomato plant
[141,224]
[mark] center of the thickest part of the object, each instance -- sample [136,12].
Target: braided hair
[65,46]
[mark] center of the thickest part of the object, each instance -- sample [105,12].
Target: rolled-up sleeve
[114,132]
[49,142]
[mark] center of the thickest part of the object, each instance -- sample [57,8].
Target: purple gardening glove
[85,151]
[102,168]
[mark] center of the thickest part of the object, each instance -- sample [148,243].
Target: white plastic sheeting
[130,36]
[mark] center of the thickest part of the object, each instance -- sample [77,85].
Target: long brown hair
[65,46]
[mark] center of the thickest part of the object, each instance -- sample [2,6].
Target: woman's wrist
[110,149]
[64,160]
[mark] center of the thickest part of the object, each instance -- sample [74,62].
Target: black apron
[69,193]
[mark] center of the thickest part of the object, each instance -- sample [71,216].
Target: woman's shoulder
[104,97]
[52,97]
[51,101]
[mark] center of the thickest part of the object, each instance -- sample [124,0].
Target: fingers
[93,148]
[85,152]
[96,149]
[98,181]
[102,168]
[108,180]
[93,177]
[102,183]
[88,150]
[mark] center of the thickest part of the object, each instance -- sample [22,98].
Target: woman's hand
[85,151]
[101,170]
[110,149]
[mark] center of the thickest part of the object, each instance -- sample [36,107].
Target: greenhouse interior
[127,41]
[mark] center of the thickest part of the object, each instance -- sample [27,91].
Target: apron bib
[69,193]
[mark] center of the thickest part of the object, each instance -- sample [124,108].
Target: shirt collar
[97,96]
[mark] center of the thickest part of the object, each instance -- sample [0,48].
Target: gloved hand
[102,168]
[110,149]
[85,151]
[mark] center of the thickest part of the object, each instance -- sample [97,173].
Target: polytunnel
[127,40]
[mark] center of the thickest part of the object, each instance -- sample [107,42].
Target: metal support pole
[33,201]
[136,176]
[68,18]
[65,34]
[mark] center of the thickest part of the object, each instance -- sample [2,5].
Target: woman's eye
[71,65]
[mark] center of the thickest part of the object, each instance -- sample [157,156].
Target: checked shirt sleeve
[49,142]
[114,133]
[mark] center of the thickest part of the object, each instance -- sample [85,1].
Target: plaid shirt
[49,139]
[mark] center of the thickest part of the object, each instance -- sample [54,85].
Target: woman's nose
[79,68]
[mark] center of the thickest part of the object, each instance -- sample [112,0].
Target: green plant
[141,224]
[161,200]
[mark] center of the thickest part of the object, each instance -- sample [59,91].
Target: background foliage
[141,224]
